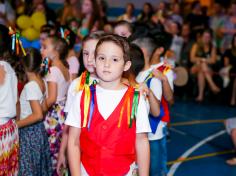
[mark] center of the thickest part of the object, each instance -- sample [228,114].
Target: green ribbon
[134,107]
[87,78]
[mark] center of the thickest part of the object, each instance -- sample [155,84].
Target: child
[58,79]
[165,74]
[72,59]
[45,32]
[89,45]
[110,137]
[33,136]
[148,46]
[137,67]
[9,140]
[123,28]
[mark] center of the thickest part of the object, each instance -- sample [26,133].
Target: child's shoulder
[54,69]
[32,86]
[7,67]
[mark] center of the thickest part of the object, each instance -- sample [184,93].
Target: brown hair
[93,36]
[32,60]
[119,41]
[61,47]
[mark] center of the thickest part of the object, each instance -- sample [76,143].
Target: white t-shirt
[156,87]
[31,91]
[155,84]
[55,75]
[72,92]
[161,125]
[8,94]
[107,101]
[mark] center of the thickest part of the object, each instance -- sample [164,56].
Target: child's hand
[61,164]
[158,74]
[135,172]
[143,89]
[2,74]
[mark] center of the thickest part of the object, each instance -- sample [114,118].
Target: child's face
[110,63]
[47,49]
[43,36]
[122,31]
[88,55]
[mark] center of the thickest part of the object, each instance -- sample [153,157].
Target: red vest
[106,149]
[164,103]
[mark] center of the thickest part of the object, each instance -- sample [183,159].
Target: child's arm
[143,154]
[154,104]
[74,151]
[61,163]
[52,96]
[37,115]
[153,101]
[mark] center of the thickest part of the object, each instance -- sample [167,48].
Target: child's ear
[127,65]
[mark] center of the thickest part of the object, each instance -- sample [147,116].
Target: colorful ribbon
[65,34]
[130,101]
[91,108]
[16,42]
[84,79]
[46,64]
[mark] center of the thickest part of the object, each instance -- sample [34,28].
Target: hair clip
[46,64]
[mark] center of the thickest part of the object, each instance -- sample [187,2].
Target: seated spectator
[229,27]
[230,76]
[217,21]
[129,14]
[91,20]
[71,11]
[203,56]
[40,5]
[175,15]
[196,19]
[146,14]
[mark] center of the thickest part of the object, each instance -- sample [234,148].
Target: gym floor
[198,143]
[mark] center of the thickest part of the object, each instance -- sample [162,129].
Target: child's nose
[90,58]
[107,63]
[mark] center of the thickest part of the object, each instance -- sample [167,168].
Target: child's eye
[101,58]
[115,60]
[85,54]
